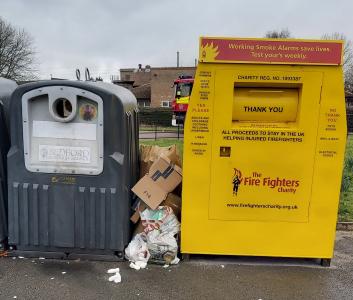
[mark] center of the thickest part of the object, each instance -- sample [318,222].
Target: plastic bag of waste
[161,226]
[162,219]
[137,251]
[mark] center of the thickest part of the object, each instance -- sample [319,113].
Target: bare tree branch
[17,53]
[347,59]
[347,51]
[275,34]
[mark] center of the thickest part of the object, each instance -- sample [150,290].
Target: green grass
[346,199]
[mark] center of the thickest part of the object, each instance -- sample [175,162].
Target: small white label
[68,154]
[57,130]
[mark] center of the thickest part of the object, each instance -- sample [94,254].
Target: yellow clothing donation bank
[264,144]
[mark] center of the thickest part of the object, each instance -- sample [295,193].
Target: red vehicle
[183,87]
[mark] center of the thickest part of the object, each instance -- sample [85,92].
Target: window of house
[144,103]
[166,103]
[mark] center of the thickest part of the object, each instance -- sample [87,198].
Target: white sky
[108,35]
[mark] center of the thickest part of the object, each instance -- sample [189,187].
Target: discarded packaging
[138,265]
[137,251]
[157,241]
[141,206]
[116,277]
[157,209]
[150,153]
[174,202]
[163,178]
[161,226]
[111,271]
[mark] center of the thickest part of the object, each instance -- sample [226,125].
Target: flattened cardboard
[174,202]
[163,177]
[136,215]
[150,153]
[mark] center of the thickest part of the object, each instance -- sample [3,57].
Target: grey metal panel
[62,226]
[35,215]
[15,213]
[76,213]
[25,214]
[80,218]
[102,218]
[44,215]
[35,104]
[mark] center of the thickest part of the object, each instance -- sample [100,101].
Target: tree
[347,51]
[348,80]
[17,54]
[274,34]
[347,58]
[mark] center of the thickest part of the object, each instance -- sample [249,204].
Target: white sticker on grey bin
[50,153]
[57,130]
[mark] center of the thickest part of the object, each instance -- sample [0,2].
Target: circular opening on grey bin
[62,108]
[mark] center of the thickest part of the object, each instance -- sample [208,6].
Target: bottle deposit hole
[63,108]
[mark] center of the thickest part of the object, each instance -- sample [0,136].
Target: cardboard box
[174,202]
[162,178]
[136,215]
[150,153]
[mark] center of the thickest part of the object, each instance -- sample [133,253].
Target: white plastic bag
[161,226]
[162,246]
[162,219]
[137,251]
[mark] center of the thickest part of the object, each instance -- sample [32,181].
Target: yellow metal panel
[262,187]
[265,104]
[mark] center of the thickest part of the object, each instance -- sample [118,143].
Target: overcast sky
[107,35]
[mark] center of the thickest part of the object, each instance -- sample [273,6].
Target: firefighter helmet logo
[209,52]
[237,178]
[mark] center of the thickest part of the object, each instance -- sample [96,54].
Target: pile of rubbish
[157,208]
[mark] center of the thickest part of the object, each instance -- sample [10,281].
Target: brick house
[152,86]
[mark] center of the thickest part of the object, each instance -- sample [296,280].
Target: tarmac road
[216,278]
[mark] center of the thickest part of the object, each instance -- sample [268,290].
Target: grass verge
[346,200]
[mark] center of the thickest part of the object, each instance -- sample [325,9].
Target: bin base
[65,255]
[325,262]
[257,260]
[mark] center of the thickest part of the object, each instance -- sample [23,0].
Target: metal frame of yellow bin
[264,146]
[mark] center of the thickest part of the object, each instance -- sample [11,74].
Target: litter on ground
[116,277]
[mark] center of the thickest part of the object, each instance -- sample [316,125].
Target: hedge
[159,116]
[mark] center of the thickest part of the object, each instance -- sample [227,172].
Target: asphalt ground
[199,278]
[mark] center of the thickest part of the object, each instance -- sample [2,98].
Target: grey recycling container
[6,88]
[72,163]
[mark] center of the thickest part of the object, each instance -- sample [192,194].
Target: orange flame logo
[209,51]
